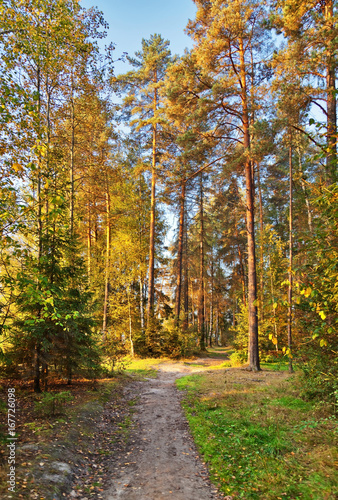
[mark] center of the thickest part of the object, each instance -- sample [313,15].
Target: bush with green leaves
[317,299]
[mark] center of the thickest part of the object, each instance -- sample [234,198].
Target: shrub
[52,404]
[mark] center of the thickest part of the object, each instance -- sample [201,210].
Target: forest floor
[128,438]
[120,438]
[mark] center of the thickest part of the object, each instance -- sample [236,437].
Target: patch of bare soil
[161,461]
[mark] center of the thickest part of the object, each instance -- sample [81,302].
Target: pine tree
[143,102]
[310,55]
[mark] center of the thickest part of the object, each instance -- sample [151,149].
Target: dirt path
[162,462]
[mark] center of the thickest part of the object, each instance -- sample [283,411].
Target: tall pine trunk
[151,282]
[290,261]
[37,361]
[141,302]
[331,159]
[211,326]
[141,278]
[130,325]
[250,220]
[89,242]
[201,316]
[186,276]
[192,304]
[72,152]
[106,285]
[261,248]
[179,255]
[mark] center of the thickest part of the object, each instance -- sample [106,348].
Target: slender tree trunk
[179,256]
[211,331]
[261,248]
[240,258]
[96,229]
[106,286]
[89,243]
[234,312]
[47,169]
[141,303]
[250,218]
[37,387]
[307,202]
[290,260]
[51,243]
[72,152]
[151,284]
[37,376]
[141,227]
[186,279]
[201,317]
[331,159]
[130,326]
[192,304]
[273,307]
[206,322]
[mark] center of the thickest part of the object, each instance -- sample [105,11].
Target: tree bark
[106,286]
[241,265]
[130,325]
[261,248]
[72,151]
[89,243]
[192,304]
[331,159]
[201,318]
[186,278]
[151,283]
[250,219]
[141,282]
[290,260]
[273,301]
[37,387]
[211,326]
[179,256]
[37,376]
[141,303]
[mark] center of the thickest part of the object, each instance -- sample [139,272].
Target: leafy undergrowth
[81,434]
[261,440]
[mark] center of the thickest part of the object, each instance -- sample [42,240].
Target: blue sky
[131,20]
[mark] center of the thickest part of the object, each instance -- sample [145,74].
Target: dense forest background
[235,141]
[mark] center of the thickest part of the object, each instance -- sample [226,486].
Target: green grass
[280,365]
[219,352]
[260,439]
[145,367]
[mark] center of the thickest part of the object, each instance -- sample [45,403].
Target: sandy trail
[162,462]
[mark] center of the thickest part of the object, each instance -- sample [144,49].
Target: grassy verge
[218,352]
[144,367]
[262,441]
